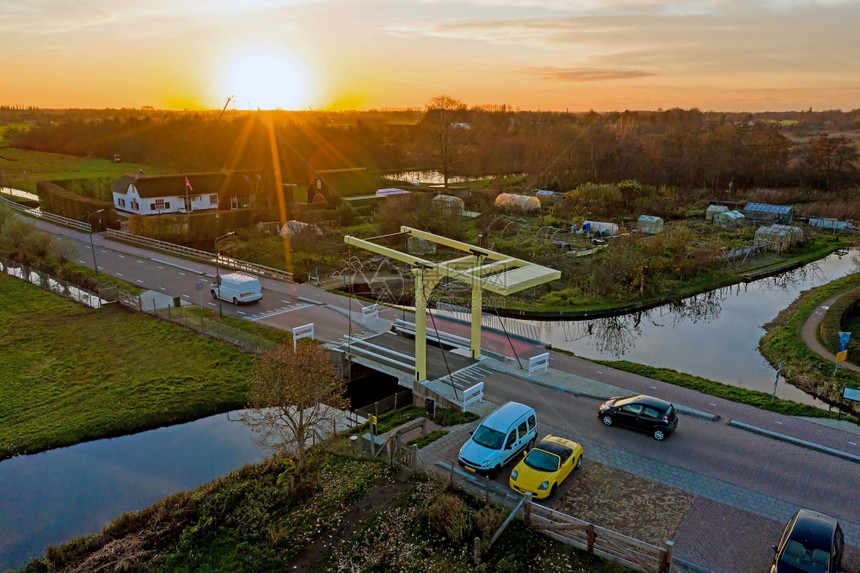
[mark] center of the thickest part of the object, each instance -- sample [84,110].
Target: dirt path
[809,333]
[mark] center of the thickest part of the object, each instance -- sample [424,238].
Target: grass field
[70,374]
[21,169]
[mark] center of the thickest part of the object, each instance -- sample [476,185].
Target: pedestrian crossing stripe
[277,311]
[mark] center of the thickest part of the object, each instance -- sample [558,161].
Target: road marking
[286,301]
[712,404]
[122,256]
[119,274]
[284,309]
[212,304]
[81,261]
[778,422]
[600,371]
[160,268]
[239,312]
[139,262]
[161,288]
[181,273]
[186,296]
[852,443]
[653,387]
[140,281]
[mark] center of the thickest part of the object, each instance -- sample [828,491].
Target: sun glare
[265,78]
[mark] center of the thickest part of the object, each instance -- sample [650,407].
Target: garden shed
[778,237]
[599,228]
[729,219]
[448,204]
[521,202]
[650,224]
[713,210]
[766,213]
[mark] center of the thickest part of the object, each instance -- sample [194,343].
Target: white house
[162,194]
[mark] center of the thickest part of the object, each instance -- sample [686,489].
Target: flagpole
[187,207]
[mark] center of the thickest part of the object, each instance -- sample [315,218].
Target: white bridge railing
[538,363]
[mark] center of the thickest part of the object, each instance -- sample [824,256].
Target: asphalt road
[728,459]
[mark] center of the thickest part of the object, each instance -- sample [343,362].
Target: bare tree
[448,132]
[294,396]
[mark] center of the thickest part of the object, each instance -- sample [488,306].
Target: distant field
[70,374]
[21,169]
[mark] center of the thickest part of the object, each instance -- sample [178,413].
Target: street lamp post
[772,396]
[92,246]
[217,272]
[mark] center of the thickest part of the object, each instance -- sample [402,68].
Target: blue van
[499,438]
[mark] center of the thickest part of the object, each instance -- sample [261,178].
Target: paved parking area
[726,529]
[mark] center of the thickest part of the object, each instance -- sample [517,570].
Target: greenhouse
[729,219]
[649,224]
[521,202]
[778,237]
[448,204]
[713,210]
[766,213]
[831,224]
[545,197]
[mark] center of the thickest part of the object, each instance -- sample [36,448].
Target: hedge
[831,324]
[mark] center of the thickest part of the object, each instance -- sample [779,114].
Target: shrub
[450,516]
[488,519]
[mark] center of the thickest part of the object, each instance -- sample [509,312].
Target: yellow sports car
[546,465]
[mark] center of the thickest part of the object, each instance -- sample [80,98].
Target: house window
[121,203]
[213,199]
[159,204]
[234,202]
[166,205]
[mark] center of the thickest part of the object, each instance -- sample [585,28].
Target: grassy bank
[342,514]
[803,368]
[69,374]
[720,390]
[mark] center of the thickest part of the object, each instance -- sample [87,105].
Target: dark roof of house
[218,182]
[340,183]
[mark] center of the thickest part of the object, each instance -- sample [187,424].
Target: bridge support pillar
[425,281]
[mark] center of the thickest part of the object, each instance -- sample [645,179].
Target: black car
[640,412]
[811,543]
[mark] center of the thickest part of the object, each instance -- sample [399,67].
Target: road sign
[199,286]
[841,356]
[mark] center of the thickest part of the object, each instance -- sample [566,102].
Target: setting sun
[265,77]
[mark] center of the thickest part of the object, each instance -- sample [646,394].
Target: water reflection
[714,335]
[50,497]
[430,177]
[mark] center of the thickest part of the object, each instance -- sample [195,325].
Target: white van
[500,437]
[237,288]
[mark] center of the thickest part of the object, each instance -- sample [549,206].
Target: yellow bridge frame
[482,269]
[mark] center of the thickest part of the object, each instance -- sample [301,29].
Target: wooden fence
[597,540]
[611,545]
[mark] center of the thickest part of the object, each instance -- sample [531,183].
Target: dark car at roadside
[811,542]
[648,414]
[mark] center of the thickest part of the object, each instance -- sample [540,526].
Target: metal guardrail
[196,254]
[37,213]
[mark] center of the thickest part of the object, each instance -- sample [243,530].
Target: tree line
[681,149]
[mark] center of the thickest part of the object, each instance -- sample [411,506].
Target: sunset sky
[724,55]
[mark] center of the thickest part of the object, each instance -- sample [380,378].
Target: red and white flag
[188,184]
